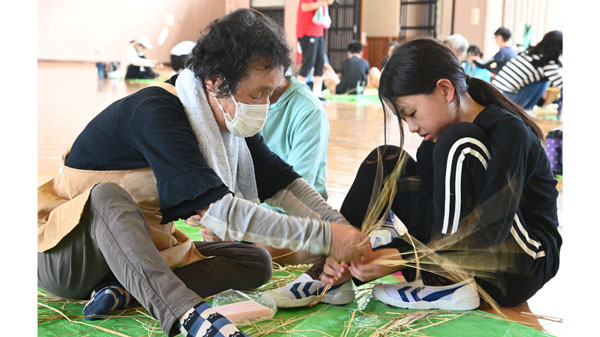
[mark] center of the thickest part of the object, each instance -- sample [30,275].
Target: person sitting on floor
[297,130]
[183,147]
[470,65]
[355,70]
[180,53]
[524,79]
[506,53]
[134,63]
[480,196]
[374,72]
[458,44]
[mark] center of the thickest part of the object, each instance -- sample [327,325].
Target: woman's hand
[347,243]
[194,220]
[366,271]
[334,273]
[207,234]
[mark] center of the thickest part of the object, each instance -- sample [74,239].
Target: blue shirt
[297,130]
[354,69]
[504,55]
[474,71]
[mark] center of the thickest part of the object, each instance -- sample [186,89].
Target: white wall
[83,30]
[290,14]
[543,15]
[86,30]
[381,17]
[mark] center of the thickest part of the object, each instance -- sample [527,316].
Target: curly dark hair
[229,43]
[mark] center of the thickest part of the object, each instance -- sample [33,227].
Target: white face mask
[248,119]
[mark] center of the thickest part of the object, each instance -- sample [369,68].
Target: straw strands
[466,253]
[51,309]
[366,317]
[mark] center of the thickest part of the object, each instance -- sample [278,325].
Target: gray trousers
[113,237]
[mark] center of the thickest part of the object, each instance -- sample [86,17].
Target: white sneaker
[416,295]
[303,290]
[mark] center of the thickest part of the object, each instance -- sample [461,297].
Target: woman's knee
[108,191]
[260,263]
[114,209]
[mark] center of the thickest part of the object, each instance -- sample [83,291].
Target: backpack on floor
[554,145]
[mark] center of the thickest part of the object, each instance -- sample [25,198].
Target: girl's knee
[389,155]
[382,151]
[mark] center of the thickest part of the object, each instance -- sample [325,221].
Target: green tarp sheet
[370,96]
[364,316]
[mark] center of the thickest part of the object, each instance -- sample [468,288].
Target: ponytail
[415,67]
[485,94]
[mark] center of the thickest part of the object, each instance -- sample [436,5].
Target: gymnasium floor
[70,95]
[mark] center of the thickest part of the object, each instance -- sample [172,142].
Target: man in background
[505,54]
[355,70]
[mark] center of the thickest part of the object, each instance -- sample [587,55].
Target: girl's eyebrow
[402,110]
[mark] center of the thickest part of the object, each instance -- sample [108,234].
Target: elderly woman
[185,147]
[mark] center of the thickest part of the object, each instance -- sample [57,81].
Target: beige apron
[61,202]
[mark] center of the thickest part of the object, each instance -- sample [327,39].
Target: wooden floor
[70,95]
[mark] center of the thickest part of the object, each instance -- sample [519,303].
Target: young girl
[481,182]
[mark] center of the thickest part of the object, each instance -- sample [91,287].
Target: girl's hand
[367,271]
[332,270]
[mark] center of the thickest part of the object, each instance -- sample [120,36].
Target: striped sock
[203,320]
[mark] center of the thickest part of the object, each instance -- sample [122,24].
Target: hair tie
[468,79]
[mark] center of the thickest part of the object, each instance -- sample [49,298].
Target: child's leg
[461,156]
[319,66]
[113,236]
[239,266]
[411,202]
[434,161]
[354,208]
[308,44]
[521,278]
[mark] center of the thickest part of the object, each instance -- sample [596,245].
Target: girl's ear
[446,88]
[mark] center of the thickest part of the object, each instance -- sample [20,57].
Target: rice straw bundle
[461,258]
